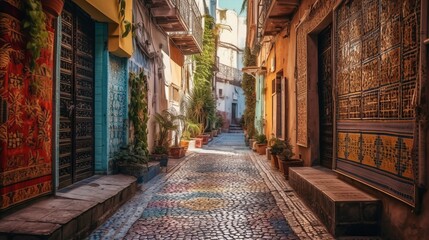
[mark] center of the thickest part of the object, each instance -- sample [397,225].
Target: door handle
[70,110]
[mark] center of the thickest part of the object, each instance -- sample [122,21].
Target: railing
[183,7]
[229,73]
[197,29]
[262,16]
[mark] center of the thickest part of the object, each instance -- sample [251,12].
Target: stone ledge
[344,209]
[73,213]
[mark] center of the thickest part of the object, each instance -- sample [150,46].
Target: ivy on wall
[248,85]
[138,109]
[201,104]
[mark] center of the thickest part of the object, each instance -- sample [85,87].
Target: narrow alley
[223,191]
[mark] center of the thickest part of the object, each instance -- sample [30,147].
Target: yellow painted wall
[107,11]
[269,128]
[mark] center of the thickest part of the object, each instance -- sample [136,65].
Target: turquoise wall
[111,102]
[100,102]
[260,103]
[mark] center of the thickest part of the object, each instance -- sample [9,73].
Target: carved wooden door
[76,159]
[325,96]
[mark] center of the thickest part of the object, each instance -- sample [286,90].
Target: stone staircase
[235,128]
[345,210]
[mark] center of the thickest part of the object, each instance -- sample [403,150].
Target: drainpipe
[422,109]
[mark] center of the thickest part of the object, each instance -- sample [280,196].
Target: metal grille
[76,97]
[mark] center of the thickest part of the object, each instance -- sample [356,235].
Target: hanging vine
[138,110]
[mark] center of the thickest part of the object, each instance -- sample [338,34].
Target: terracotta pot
[274,162]
[286,164]
[205,138]
[54,7]
[268,153]
[184,144]
[198,142]
[261,148]
[251,141]
[176,152]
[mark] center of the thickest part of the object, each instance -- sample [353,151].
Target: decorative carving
[382,72]
[77,93]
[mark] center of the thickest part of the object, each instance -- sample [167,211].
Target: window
[220,93]
[175,94]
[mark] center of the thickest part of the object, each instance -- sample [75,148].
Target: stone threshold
[345,210]
[73,212]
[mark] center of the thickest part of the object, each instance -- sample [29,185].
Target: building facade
[346,81]
[230,47]
[64,117]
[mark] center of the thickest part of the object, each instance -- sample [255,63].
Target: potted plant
[189,135]
[261,144]
[160,154]
[132,161]
[270,143]
[286,159]
[167,122]
[276,148]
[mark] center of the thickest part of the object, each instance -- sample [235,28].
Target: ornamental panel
[382,76]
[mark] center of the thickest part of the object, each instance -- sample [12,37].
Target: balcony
[230,74]
[273,15]
[182,21]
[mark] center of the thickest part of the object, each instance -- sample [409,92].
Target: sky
[231,4]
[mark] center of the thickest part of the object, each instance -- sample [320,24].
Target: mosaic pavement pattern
[213,196]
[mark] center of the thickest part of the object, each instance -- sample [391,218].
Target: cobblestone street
[219,192]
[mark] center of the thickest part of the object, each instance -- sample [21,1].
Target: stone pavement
[223,191]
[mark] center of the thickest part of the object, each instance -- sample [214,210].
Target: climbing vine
[138,110]
[248,85]
[201,104]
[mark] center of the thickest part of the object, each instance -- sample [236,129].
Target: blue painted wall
[118,104]
[100,102]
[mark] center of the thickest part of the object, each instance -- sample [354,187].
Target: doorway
[234,113]
[325,96]
[76,144]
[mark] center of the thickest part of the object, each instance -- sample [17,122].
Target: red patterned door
[77,94]
[325,96]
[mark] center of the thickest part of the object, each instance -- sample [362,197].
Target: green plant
[168,121]
[160,150]
[277,146]
[287,152]
[191,130]
[261,139]
[126,26]
[34,23]
[248,85]
[219,122]
[129,155]
[138,109]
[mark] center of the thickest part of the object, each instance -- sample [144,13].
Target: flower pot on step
[261,148]
[176,152]
[274,162]
[286,164]
[184,144]
[198,142]
[268,153]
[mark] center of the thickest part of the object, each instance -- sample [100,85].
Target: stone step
[342,208]
[73,213]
